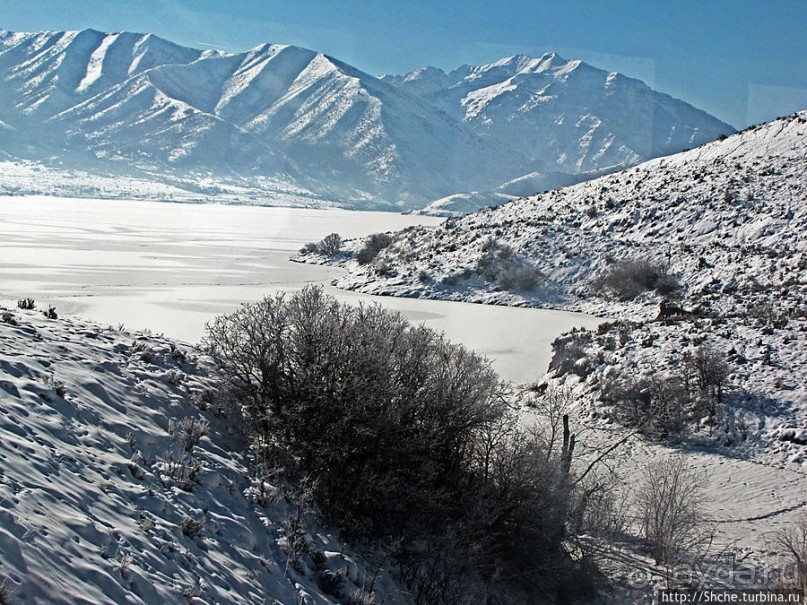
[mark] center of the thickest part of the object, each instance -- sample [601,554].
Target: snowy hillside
[281,117]
[460,204]
[125,480]
[720,229]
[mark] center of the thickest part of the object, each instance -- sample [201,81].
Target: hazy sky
[744,61]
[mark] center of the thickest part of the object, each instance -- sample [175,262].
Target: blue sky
[744,61]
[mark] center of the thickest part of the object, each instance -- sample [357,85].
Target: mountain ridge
[97,101]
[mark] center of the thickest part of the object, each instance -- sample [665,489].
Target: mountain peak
[526,64]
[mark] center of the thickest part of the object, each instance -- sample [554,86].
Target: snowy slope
[460,204]
[143,106]
[728,201]
[93,501]
[727,220]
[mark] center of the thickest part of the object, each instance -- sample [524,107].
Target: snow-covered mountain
[278,117]
[565,115]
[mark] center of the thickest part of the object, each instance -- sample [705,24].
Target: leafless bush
[670,499]
[374,244]
[51,313]
[705,373]
[604,510]
[183,469]
[626,280]
[520,279]
[188,431]
[792,540]
[551,406]
[656,405]
[665,406]
[8,317]
[330,245]
[500,264]
[403,436]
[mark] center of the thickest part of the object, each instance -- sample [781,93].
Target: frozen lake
[172,267]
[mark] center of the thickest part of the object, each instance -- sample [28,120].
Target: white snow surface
[89,510]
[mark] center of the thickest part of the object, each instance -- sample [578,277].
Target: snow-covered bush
[657,405]
[500,264]
[706,372]
[188,432]
[792,540]
[628,279]
[519,279]
[399,436]
[26,303]
[374,244]
[330,245]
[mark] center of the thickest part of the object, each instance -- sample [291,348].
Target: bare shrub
[330,245]
[188,432]
[519,279]
[374,244]
[551,406]
[705,372]
[792,540]
[51,313]
[669,499]
[665,406]
[657,405]
[627,280]
[8,318]
[400,436]
[601,510]
[182,468]
[496,259]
